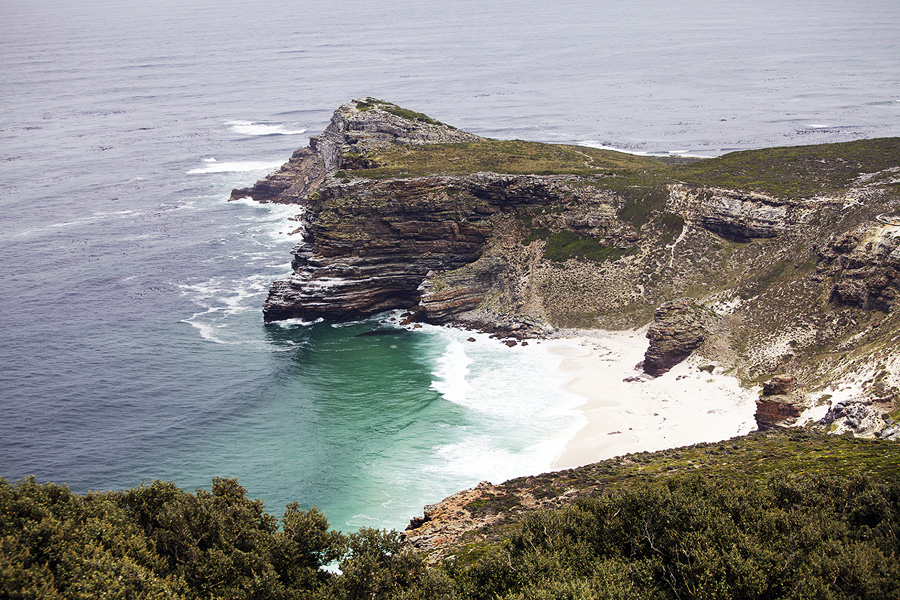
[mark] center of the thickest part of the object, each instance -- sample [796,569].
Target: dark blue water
[131,342]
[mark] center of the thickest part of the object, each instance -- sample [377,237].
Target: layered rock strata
[777,405]
[400,211]
[735,215]
[677,330]
[369,246]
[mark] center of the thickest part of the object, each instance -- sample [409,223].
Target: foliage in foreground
[679,537]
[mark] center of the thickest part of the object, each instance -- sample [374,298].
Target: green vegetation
[693,537]
[370,103]
[779,515]
[502,156]
[563,245]
[786,172]
[796,171]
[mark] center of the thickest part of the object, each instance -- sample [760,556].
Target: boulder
[677,331]
[779,385]
[777,411]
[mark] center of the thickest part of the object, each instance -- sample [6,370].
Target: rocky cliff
[791,254]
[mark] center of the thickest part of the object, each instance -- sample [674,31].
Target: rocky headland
[779,266]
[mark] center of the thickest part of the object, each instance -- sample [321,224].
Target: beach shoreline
[629,411]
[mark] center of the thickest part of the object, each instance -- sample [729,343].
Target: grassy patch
[796,171]
[411,115]
[564,245]
[503,156]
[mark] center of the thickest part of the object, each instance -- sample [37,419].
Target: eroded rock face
[368,247]
[446,294]
[865,267]
[738,216]
[779,385]
[777,411]
[677,330]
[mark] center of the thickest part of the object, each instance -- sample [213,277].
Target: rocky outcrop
[445,294]
[864,266]
[391,222]
[357,128]
[369,245]
[858,418]
[735,215]
[780,385]
[677,330]
[778,406]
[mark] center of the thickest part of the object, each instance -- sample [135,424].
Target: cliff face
[369,245]
[790,255]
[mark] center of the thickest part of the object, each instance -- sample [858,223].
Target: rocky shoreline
[778,266]
[792,273]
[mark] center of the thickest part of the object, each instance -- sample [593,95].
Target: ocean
[132,346]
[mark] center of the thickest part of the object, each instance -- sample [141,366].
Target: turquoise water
[132,345]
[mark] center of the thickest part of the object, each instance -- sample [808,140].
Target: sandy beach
[684,406]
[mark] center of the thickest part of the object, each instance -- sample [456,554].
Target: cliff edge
[791,255]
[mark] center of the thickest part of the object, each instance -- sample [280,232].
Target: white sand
[682,407]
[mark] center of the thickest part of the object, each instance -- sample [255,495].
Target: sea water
[132,345]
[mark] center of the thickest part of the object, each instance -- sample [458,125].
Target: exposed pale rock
[858,418]
[735,215]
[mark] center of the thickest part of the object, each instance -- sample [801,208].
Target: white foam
[241,166]
[254,128]
[452,369]
[288,323]
[97,216]
[522,416]
[209,160]
[817,126]
[662,153]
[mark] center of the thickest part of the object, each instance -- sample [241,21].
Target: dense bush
[680,537]
[159,542]
[693,537]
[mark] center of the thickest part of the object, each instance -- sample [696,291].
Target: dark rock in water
[676,332]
